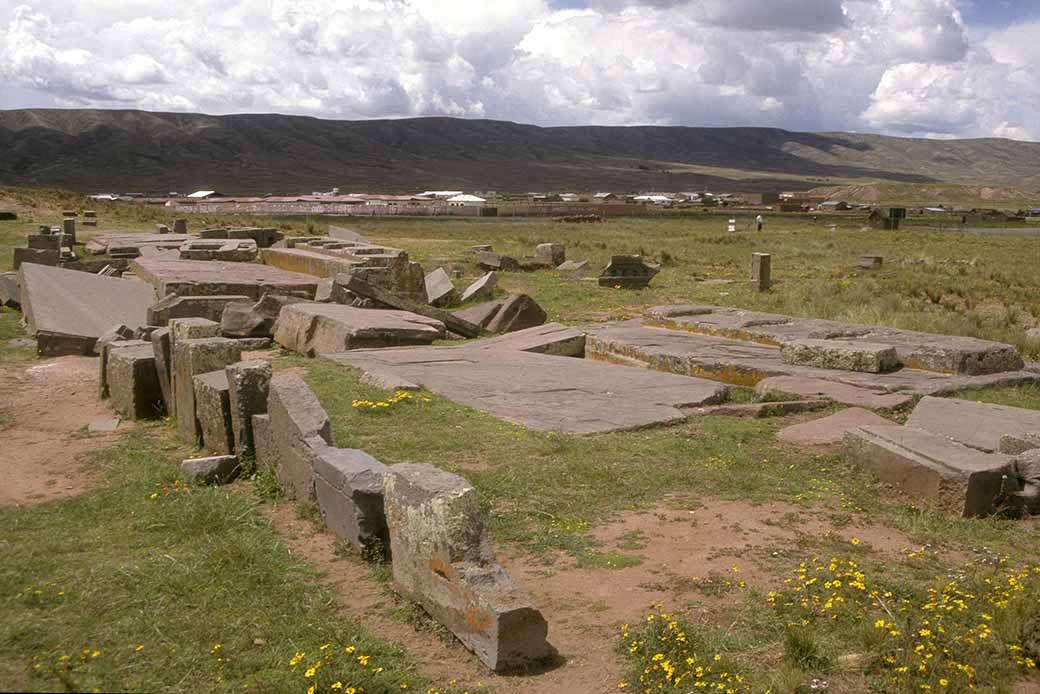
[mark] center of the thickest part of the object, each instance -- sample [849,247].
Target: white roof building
[198,194]
[462,200]
[440,194]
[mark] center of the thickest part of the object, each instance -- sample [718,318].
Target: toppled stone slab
[248,386]
[489,261]
[439,288]
[263,237]
[551,338]
[932,469]
[830,430]
[219,469]
[208,307]
[573,268]
[975,424]
[220,278]
[254,320]
[554,254]
[10,292]
[348,484]
[1016,444]
[161,350]
[135,244]
[311,328]
[233,250]
[514,312]
[117,333]
[295,419]
[68,311]
[299,260]
[36,256]
[627,272]
[844,355]
[213,412]
[482,288]
[191,358]
[383,298]
[442,559]
[133,383]
[543,392]
[838,392]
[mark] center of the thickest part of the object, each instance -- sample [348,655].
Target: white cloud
[904,66]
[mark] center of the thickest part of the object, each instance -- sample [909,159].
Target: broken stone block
[263,451]
[627,272]
[254,320]
[481,247]
[10,292]
[254,344]
[312,328]
[348,484]
[439,288]
[552,253]
[323,293]
[830,430]
[515,312]
[399,276]
[103,426]
[488,261]
[976,424]
[191,358]
[163,360]
[231,250]
[761,271]
[248,384]
[1016,444]
[180,226]
[844,355]
[44,242]
[213,412]
[186,329]
[36,257]
[133,383]
[1026,467]
[552,338]
[871,262]
[117,333]
[208,307]
[68,227]
[572,268]
[162,229]
[930,468]
[264,237]
[838,392]
[295,416]
[482,288]
[218,469]
[442,559]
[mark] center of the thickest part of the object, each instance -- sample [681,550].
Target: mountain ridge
[132,150]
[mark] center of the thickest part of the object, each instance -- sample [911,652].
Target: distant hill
[101,150]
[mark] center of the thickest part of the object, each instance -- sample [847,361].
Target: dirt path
[45,406]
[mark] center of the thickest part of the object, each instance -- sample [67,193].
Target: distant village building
[569,197]
[833,205]
[439,194]
[203,194]
[603,197]
[654,199]
[463,200]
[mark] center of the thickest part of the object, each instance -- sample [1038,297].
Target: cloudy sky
[938,68]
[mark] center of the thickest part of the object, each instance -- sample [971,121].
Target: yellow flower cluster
[379,405]
[165,490]
[44,593]
[670,657]
[342,671]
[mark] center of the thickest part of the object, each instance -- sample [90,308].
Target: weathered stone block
[627,272]
[117,333]
[248,383]
[1016,444]
[488,261]
[572,268]
[133,382]
[219,469]
[830,430]
[295,416]
[232,250]
[186,329]
[482,288]
[263,446]
[439,288]
[552,253]
[349,488]
[313,328]
[10,292]
[191,358]
[213,412]
[931,468]
[442,559]
[761,271]
[515,312]
[976,424]
[871,262]
[163,361]
[254,320]
[208,307]
[36,256]
[844,355]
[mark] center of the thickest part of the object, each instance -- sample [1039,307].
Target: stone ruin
[627,272]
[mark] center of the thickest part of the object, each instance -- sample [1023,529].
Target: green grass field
[193,568]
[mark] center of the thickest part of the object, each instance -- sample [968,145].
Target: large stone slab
[191,358]
[133,382]
[932,469]
[844,355]
[208,307]
[134,244]
[254,320]
[833,390]
[551,338]
[248,386]
[348,484]
[186,329]
[976,424]
[830,430]
[219,278]
[442,559]
[440,290]
[68,311]
[213,412]
[312,328]
[543,392]
[482,288]
[263,237]
[295,417]
[514,312]
[234,250]
[299,260]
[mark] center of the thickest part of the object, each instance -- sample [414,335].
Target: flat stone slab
[103,426]
[838,392]
[344,234]
[217,277]
[310,262]
[976,424]
[218,469]
[208,307]
[440,290]
[135,243]
[313,328]
[481,288]
[830,430]
[68,311]
[844,355]
[932,469]
[551,338]
[541,391]
[442,559]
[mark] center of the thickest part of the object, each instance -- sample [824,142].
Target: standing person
[758,221]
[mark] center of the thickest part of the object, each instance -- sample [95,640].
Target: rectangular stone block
[208,307]
[442,559]
[36,256]
[115,334]
[313,328]
[263,446]
[219,278]
[248,383]
[871,262]
[160,340]
[843,355]
[44,242]
[133,382]
[976,424]
[552,253]
[191,358]
[932,469]
[186,329]
[213,412]
[349,488]
[296,416]
[761,271]
[439,288]
[1016,444]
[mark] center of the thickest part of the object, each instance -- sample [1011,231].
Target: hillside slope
[93,150]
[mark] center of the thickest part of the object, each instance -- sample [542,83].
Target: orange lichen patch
[477,618]
[441,567]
